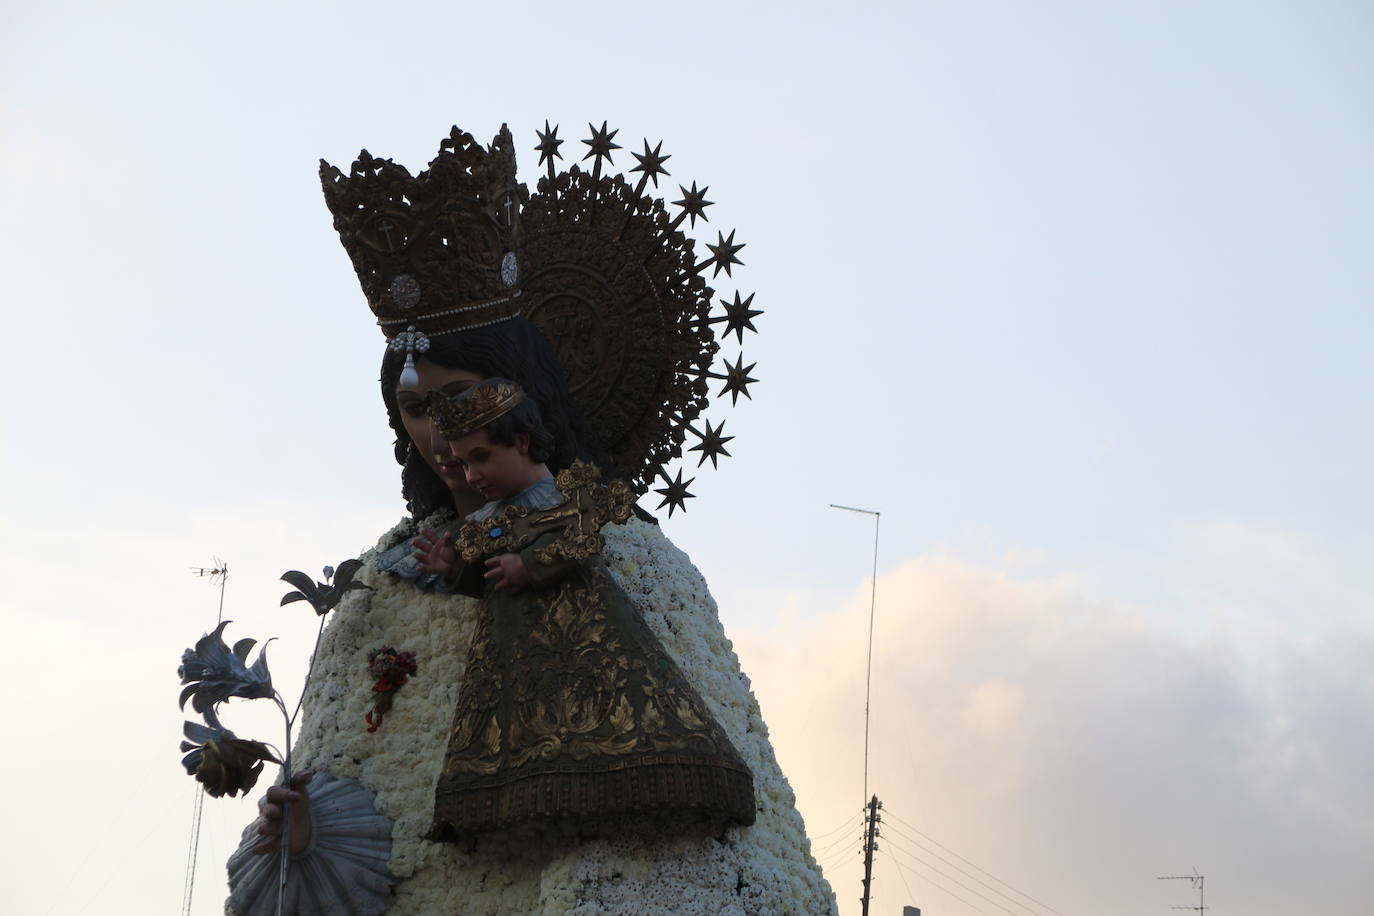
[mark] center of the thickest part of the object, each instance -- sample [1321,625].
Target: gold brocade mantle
[571,710]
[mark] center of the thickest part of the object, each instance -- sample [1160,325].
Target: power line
[834,859]
[114,864]
[901,873]
[972,865]
[974,877]
[835,844]
[838,857]
[848,823]
[935,884]
[974,891]
[843,843]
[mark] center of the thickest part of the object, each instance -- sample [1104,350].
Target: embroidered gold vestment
[571,711]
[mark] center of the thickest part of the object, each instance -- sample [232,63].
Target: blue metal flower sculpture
[323,596]
[213,673]
[223,763]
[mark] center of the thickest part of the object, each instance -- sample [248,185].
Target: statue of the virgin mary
[589,296]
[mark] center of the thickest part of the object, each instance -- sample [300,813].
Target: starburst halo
[641,284]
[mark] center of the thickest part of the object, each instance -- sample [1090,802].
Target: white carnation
[763,869]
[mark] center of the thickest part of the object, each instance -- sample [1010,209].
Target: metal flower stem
[285,853]
[286,773]
[319,635]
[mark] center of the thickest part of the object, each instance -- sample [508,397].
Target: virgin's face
[431,446]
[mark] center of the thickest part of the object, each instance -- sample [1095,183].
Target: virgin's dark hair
[513,349]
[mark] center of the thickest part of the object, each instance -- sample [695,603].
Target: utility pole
[872,805]
[870,846]
[1198,882]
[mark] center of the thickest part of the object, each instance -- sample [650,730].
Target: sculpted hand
[508,572]
[435,553]
[271,807]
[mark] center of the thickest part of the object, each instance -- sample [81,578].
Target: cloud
[1234,540]
[1072,748]
[1264,583]
[98,614]
[1070,744]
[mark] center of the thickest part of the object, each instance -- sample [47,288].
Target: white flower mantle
[763,869]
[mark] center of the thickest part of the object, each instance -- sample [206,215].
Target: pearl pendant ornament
[412,342]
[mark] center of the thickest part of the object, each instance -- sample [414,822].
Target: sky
[1078,295]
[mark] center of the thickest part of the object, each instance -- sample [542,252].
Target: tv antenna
[872,603]
[1198,881]
[218,575]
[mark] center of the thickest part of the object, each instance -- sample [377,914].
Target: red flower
[391,669]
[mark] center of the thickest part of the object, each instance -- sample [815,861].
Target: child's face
[494,470]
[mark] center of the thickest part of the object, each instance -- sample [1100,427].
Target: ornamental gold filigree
[616,286]
[571,708]
[598,262]
[588,505]
[433,251]
[465,413]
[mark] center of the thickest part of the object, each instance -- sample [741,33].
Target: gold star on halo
[737,380]
[548,143]
[739,316]
[675,494]
[651,162]
[723,253]
[600,143]
[694,202]
[712,444]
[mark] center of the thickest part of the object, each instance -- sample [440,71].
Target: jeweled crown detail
[433,250]
[465,413]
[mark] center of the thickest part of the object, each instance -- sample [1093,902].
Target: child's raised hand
[434,553]
[508,572]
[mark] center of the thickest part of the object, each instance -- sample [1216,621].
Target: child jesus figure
[496,436]
[572,719]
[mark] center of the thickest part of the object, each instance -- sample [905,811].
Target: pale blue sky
[1079,295]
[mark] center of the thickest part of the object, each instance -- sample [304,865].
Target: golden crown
[465,413]
[434,252]
[599,264]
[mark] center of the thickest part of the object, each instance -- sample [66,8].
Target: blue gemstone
[496,532]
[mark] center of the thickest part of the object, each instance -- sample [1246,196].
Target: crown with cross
[434,252]
[596,262]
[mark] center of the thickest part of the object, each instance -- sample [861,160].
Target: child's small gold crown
[473,409]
